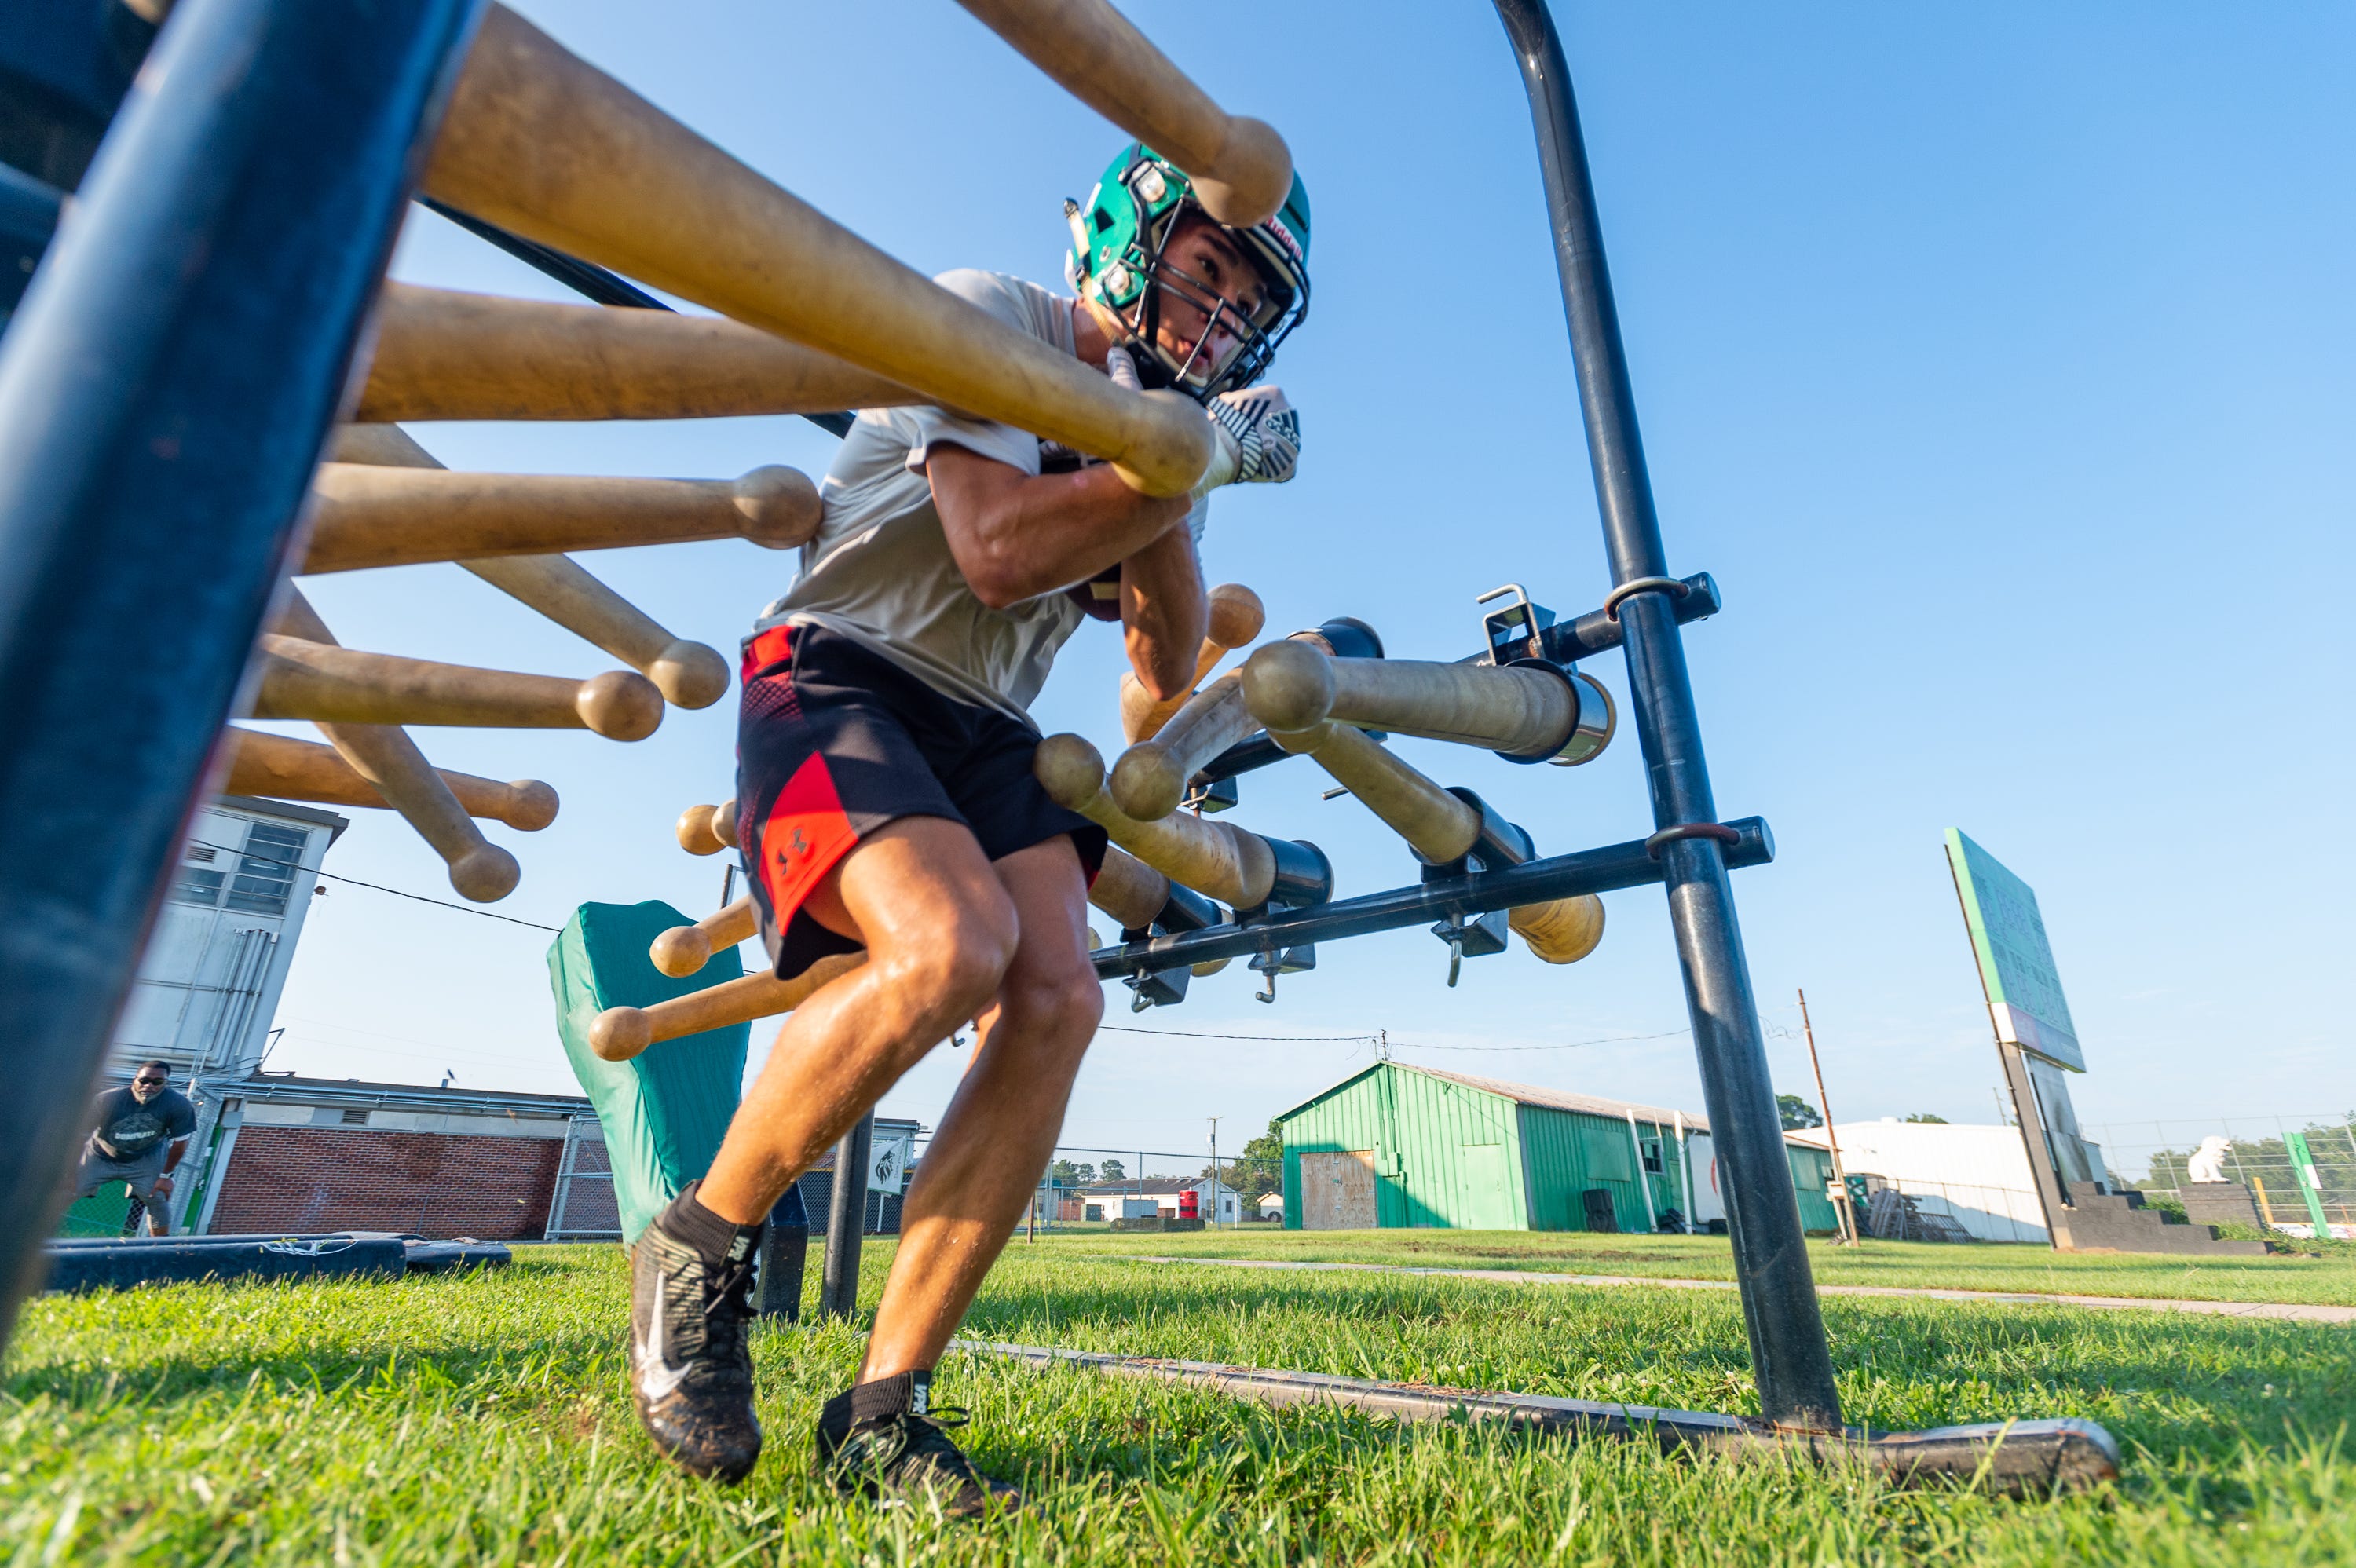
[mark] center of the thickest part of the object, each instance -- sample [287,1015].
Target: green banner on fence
[2017,969]
[2302,1165]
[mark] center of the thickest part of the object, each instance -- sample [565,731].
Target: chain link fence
[1097,1188]
[2262,1154]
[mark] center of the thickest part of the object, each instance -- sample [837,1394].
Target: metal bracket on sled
[1185,909]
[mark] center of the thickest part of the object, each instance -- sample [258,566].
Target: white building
[216,960]
[225,938]
[1158,1195]
[1978,1174]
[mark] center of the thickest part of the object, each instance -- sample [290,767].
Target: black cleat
[690,1368]
[879,1440]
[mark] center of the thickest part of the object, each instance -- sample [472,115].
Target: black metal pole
[1788,1356]
[165,392]
[846,1218]
[784,1253]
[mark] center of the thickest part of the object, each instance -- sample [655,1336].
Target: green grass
[481,1418]
[2329,1280]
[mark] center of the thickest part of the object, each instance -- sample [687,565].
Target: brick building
[310,1155]
[295,1154]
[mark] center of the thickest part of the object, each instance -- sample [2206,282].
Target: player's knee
[1064,1009]
[1081,1007]
[956,974]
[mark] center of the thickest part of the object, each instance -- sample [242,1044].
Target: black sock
[721,1241]
[900,1392]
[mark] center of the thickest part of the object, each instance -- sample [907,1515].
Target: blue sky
[1996,360]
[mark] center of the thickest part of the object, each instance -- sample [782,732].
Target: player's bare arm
[1165,614]
[1018,536]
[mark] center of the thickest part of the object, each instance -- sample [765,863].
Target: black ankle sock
[721,1241]
[899,1394]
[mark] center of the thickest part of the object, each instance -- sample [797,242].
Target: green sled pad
[664,1111]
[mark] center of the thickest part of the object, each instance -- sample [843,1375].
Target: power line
[1286,1039]
[374,887]
[1567,1045]
[1406,1045]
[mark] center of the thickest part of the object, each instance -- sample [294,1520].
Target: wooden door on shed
[1337,1191]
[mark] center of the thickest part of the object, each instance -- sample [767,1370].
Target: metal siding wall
[1565,1149]
[1554,1172]
[1518,1168]
[1437,1119]
[1604,1143]
[1392,1208]
[1417,1126]
[1811,1169]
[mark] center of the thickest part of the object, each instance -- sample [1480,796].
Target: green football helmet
[1117,263]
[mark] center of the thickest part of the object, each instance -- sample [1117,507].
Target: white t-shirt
[880,570]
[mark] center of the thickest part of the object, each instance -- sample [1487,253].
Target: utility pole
[1214,1172]
[1842,1206]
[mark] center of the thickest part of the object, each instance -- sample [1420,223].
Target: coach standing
[141,1133]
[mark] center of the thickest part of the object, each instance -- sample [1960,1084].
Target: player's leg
[940,932]
[984,1159]
[979,1171]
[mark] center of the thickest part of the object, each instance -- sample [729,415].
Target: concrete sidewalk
[2284,1310]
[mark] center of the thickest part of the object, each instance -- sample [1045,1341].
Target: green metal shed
[1397,1145]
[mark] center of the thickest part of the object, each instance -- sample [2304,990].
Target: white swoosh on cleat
[658,1379]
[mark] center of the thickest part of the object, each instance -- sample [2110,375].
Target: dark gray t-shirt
[128,1130]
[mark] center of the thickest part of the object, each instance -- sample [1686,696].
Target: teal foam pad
[666,1109]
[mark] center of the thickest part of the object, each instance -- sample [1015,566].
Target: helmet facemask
[1132,278]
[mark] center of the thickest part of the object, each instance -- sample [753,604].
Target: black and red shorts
[833,740]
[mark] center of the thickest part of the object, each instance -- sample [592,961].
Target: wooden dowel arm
[303,679]
[540,142]
[1240,167]
[707,829]
[1215,858]
[1236,617]
[1528,713]
[444,355]
[385,756]
[687,673]
[367,514]
[283,768]
[618,1034]
[684,950]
